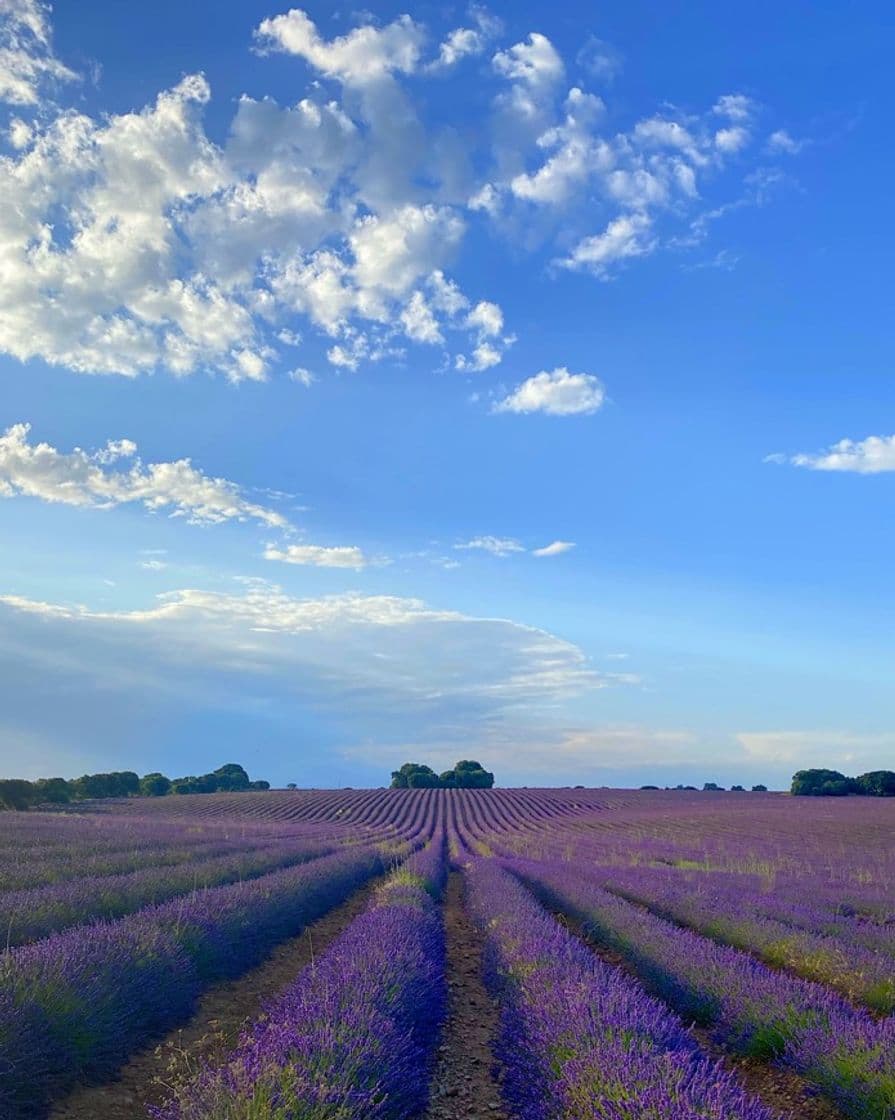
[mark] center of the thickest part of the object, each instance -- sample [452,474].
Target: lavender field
[424,954]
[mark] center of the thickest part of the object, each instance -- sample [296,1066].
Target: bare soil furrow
[463,1084]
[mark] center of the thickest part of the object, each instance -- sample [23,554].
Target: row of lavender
[32,914]
[842,1050]
[354,1036]
[856,957]
[76,1004]
[579,1038]
[46,849]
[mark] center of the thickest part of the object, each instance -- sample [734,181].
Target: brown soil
[463,1085]
[778,1088]
[221,1014]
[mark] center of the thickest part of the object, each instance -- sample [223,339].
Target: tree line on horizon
[467,774]
[830,783]
[17,793]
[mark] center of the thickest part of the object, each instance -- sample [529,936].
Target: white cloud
[534,63]
[781,141]
[731,140]
[576,153]
[497,546]
[558,393]
[466,42]
[382,660]
[735,106]
[81,478]
[27,62]
[364,55]
[872,455]
[302,376]
[486,318]
[557,548]
[133,242]
[319,556]
[629,235]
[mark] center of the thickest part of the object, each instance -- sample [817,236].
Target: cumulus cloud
[364,55]
[497,546]
[466,42]
[27,62]
[319,556]
[624,237]
[132,242]
[557,393]
[872,455]
[82,478]
[557,548]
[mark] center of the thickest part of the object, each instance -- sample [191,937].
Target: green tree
[155,785]
[16,793]
[877,783]
[52,791]
[414,775]
[712,787]
[230,777]
[821,783]
[759,789]
[469,774]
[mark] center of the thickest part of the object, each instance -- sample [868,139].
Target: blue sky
[443,381]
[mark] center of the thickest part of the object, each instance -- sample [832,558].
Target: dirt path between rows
[221,1014]
[463,1087]
[778,1088]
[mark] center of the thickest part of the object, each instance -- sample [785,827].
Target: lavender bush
[76,1004]
[580,1039]
[842,1050]
[353,1037]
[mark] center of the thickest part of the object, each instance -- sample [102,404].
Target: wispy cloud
[557,548]
[82,478]
[497,546]
[873,455]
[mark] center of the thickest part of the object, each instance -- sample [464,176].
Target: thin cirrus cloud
[336,217]
[555,393]
[497,546]
[506,546]
[873,455]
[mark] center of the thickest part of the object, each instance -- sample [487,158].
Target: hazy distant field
[399,954]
